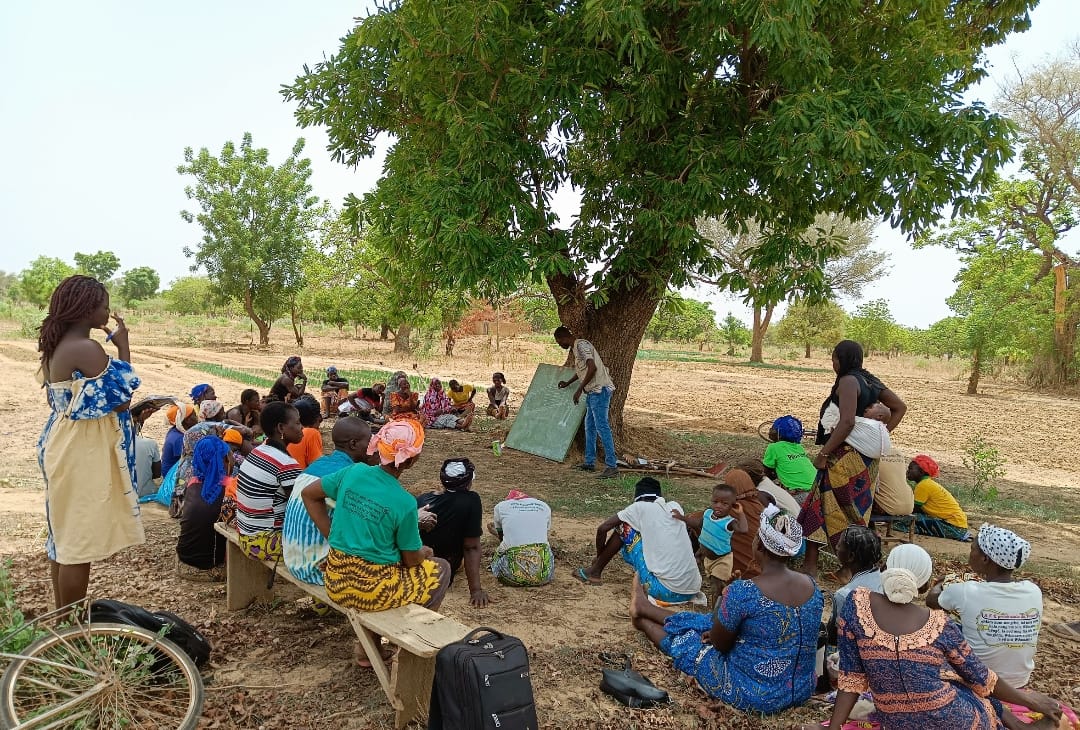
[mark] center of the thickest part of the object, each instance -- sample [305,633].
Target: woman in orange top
[310,447]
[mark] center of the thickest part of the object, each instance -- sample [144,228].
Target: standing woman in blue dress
[87,449]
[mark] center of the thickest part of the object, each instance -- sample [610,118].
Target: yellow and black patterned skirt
[355,583]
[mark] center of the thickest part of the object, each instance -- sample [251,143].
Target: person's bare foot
[638,598]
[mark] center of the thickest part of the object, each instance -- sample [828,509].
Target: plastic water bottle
[496,448]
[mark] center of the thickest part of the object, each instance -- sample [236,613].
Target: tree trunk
[449,334]
[384,331]
[976,370]
[807,355]
[1064,372]
[401,339]
[262,324]
[297,325]
[616,329]
[761,325]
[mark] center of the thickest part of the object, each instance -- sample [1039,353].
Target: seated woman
[180,419]
[291,384]
[335,389]
[199,545]
[937,513]
[201,392]
[524,556]
[366,403]
[859,554]
[405,403]
[265,481]
[897,650]
[438,410]
[391,388]
[1000,616]
[498,397]
[377,560]
[459,524]
[757,653]
[183,473]
[247,413]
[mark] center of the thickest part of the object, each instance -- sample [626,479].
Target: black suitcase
[482,683]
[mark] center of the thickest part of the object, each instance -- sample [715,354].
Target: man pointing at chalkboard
[597,386]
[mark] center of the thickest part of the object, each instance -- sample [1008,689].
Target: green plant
[987,465]
[29,319]
[12,621]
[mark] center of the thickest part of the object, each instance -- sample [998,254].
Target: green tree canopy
[683,319]
[659,114]
[812,324]
[734,333]
[189,295]
[872,325]
[44,274]
[101,265]
[139,283]
[257,222]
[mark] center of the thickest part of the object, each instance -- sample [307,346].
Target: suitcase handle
[469,636]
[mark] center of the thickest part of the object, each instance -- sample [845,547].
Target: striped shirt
[303,546]
[263,486]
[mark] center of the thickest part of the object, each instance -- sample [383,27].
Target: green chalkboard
[547,420]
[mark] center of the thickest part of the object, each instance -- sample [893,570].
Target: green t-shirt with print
[374,518]
[793,467]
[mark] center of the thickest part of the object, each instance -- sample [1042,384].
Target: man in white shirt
[653,543]
[597,387]
[147,465]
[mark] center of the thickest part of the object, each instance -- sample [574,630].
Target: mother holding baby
[843,490]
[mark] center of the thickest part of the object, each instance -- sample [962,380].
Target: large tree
[101,265]
[658,114]
[139,283]
[257,222]
[36,283]
[812,324]
[836,258]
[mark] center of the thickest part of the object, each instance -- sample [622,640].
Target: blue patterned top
[303,546]
[771,666]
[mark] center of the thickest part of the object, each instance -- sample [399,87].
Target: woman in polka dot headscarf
[1000,616]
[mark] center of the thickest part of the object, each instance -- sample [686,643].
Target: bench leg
[411,680]
[245,580]
[367,643]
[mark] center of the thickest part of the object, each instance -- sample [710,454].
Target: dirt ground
[282,667]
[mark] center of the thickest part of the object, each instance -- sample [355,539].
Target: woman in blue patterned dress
[897,651]
[757,653]
[87,449]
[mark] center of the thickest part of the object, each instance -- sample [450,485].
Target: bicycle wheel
[763,431]
[101,676]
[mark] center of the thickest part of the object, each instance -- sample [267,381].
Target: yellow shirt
[461,397]
[936,501]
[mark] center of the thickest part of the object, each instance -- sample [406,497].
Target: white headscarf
[907,569]
[1004,547]
[779,532]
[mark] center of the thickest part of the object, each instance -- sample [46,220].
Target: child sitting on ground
[785,459]
[714,529]
[937,513]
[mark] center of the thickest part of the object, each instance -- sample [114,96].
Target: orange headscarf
[173,417]
[928,465]
[397,441]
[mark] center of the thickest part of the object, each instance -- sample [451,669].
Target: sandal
[364,662]
[585,579]
[1065,631]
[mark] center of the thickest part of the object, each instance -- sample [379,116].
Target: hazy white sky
[103,97]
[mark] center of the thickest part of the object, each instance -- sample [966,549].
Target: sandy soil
[280,667]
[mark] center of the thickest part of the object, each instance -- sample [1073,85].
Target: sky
[102,98]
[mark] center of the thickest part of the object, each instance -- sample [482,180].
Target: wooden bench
[889,521]
[419,631]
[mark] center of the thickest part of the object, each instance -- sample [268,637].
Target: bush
[987,465]
[29,318]
[12,620]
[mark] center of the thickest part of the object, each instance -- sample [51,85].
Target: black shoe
[631,688]
[586,467]
[609,473]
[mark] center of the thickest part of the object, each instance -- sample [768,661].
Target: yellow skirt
[355,583]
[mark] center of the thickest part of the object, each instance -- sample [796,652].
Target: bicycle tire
[108,650]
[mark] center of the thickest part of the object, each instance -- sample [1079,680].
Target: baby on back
[869,436]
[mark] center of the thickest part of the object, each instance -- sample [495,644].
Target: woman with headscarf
[937,513]
[897,650]
[391,388]
[438,411]
[405,403]
[199,545]
[843,494]
[1000,616]
[211,410]
[459,524]
[377,560]
[184,467]
[201,392]
[291,384]
[757,652]
[523,557]
[180,418]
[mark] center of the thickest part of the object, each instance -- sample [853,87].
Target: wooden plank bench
[418,631]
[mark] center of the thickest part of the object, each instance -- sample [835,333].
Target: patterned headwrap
[208,466]
[516,494]
[397,441]
[779,532]
[928,465]
[457,473]
[1004,547]
[173,417]
[198,390]
[788,428]
[210,408]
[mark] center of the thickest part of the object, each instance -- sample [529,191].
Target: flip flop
[365,663]
[586,580]
[1065,631]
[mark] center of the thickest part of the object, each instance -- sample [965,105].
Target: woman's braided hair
[72,301]
[864,546]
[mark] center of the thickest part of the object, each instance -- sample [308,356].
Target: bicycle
[97,675]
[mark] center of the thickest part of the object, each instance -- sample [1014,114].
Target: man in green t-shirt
[785,459]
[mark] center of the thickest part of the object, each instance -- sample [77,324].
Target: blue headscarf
[788,428]
[208,466]
[198,390]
